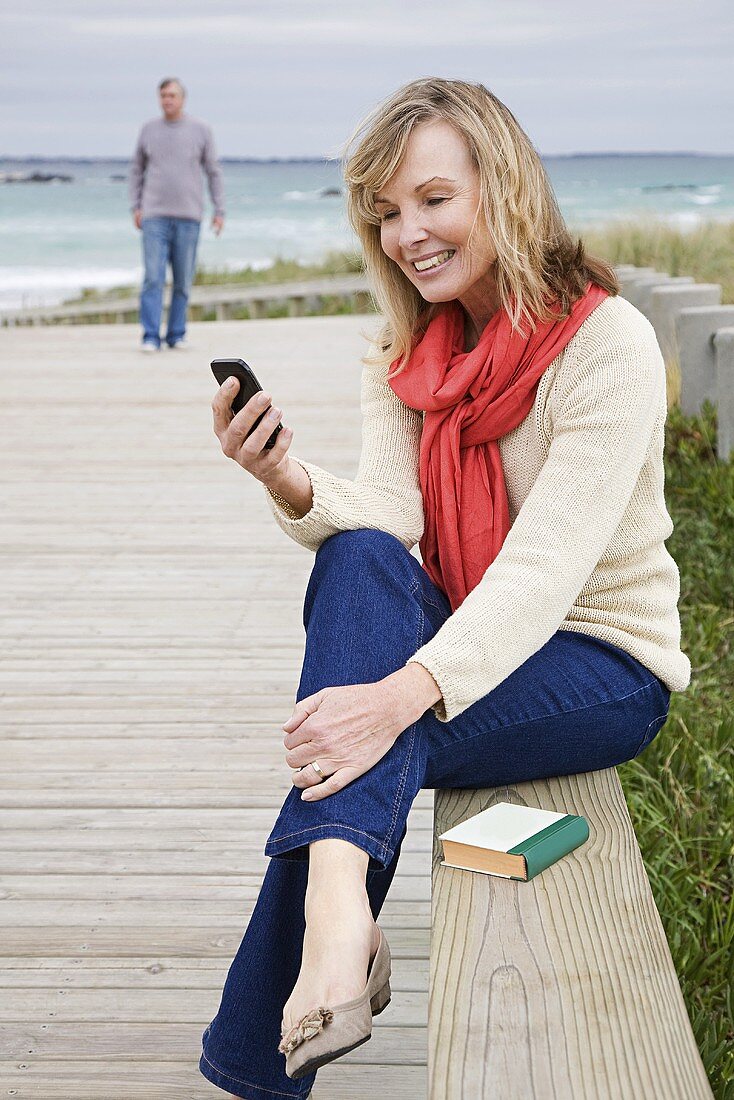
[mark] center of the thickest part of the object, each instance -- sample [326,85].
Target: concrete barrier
[695,327]
[628,281]
[643,291]
[724,359]
[669,300]
[627,272]
[639,286]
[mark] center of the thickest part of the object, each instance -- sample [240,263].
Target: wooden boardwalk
[151,639]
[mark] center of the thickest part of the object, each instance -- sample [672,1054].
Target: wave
[26,287]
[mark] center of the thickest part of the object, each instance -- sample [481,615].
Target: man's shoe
[148,345]
[179,345]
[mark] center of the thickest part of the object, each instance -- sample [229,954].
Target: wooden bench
[562,987]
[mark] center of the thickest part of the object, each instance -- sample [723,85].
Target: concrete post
[669,300]
[633,287]
[296,305]
[643,291]
[694,333]
[627,279]
[724,352]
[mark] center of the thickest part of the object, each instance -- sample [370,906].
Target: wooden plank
[191,839]
[152,911]
[34,1079]
[408,975]
[199,941]
[273,783]
[170,887]
[237,821]
[153,861]
[152,1005]
[176,1041]
[234,294]
[565,982]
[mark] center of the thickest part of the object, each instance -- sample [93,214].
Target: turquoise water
[57,238]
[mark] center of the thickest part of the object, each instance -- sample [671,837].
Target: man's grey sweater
[166,172]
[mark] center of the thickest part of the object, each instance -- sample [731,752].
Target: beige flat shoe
[324,1034]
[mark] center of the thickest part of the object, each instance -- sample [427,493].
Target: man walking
[167,201]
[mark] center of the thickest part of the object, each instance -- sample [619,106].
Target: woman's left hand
[346,730]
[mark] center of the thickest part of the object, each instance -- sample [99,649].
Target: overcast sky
[292,77]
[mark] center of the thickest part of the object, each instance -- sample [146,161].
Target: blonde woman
[513,424]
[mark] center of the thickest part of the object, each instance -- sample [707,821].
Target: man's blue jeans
[576,705]
[174,241]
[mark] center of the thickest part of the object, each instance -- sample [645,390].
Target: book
[512,841]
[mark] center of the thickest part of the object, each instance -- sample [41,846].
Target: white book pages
[502,826]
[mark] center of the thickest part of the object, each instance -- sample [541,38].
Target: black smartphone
[222,369]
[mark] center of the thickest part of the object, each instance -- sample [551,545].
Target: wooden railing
[224,301]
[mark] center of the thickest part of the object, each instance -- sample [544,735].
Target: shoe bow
[311,1024]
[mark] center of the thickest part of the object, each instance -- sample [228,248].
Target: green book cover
[550,844]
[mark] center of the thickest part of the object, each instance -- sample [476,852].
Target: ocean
[58,238]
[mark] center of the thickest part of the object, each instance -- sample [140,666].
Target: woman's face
[427,211]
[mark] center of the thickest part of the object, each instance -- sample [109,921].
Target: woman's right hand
[268,466]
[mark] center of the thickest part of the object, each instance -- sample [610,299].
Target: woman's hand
[346,730]
[268,466]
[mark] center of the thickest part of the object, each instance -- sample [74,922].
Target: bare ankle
[335,856]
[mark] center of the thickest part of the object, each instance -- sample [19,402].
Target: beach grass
[283,271]
[706,252]
[680,791]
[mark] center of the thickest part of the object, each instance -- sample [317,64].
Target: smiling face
[428,210]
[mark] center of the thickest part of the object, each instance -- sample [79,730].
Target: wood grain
[561,988]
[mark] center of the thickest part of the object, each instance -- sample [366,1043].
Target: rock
[35,177]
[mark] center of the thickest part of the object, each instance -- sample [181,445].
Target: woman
[513,422]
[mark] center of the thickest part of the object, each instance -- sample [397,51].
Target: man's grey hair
[171,80]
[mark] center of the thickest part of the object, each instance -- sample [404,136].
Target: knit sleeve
[136,174]
[385,494]
[604,408]
[213,174]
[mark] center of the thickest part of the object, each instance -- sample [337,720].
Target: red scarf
[471,399]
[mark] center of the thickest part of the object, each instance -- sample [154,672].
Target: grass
[680,792]
[706,253]
[283,271]
[280,271]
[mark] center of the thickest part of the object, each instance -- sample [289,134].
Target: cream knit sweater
[586,550]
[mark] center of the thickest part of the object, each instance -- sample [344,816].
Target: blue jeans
[576,705]
[174,241]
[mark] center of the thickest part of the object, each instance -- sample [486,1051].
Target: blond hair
[538,261]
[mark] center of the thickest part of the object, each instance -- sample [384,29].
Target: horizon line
[80,158]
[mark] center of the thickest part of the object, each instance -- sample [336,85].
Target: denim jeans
[174,241]
[576,705]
